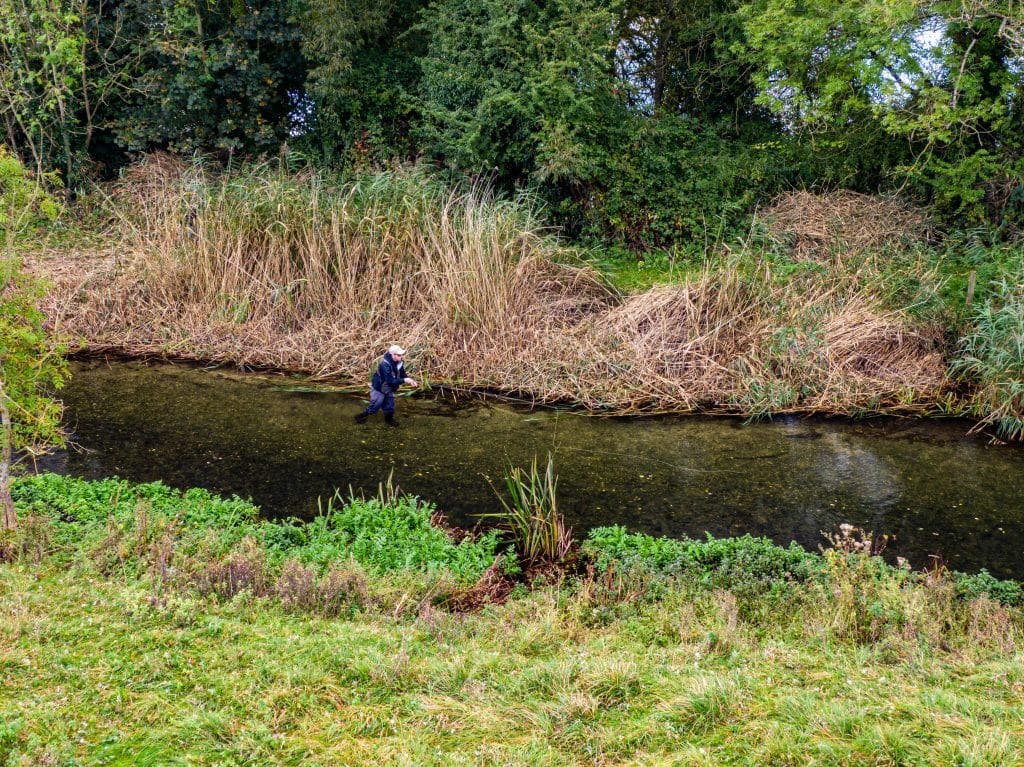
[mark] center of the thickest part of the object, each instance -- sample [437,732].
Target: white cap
[396,349]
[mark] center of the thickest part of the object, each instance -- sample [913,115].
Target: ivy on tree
[30,366]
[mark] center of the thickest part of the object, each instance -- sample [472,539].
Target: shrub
[385,534]
[675,188]
[242,569]
[983,583]
[748,566]
[341,590]
[124,525]
[864,590]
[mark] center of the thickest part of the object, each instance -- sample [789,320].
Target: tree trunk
[6,436]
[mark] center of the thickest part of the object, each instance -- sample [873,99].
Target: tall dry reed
[302,271]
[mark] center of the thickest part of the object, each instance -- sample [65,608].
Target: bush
[674,188]
[85,512]
[385,534]
[983,583]
[747,566]
[122,523]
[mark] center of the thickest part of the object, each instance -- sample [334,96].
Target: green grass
[97,671]
[636,272]
[657,654]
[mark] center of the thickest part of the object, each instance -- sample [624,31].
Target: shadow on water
[936,489]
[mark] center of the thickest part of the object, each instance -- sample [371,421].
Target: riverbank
[305,273]
[142,624]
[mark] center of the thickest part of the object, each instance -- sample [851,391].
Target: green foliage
[643,124]
[991,357]
[385,534]
[747,565]
[364,72]
[972,586]
[42,79]
[83,512]
[605,545]
[25,204]
[217,76]
[30,366]
[520,91]
[941,75]
[85,82]
[865,589]
[671,186]
[534,94]
[675,59]
[981,250]
[532,516]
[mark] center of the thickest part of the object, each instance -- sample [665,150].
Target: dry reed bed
[821,226]
[280,270]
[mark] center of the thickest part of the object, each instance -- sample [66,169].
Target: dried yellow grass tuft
[825,225]
[278,270]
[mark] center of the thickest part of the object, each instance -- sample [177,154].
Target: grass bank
[118,647]
[306,272]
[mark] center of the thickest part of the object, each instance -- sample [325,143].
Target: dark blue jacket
[389,376]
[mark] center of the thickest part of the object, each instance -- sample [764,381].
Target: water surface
[936,489]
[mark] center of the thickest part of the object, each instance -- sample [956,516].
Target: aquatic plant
[532,517]
[123,525]
[757,569]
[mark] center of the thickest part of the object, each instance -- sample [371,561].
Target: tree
[944,77]
[85,82]
[364,71]
[64,62]
[212,75]
[29,365]
[523,90]
[675,57]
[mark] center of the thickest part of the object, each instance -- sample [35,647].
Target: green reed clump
[991,358]
[531,514]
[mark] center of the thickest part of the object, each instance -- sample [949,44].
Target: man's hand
[411,382]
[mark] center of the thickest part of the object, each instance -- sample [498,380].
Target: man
[389,376]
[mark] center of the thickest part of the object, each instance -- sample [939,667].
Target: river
[937,490]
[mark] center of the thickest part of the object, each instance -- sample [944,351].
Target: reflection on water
[936,489]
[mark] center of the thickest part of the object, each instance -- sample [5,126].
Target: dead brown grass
[824,226]
[283,271]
